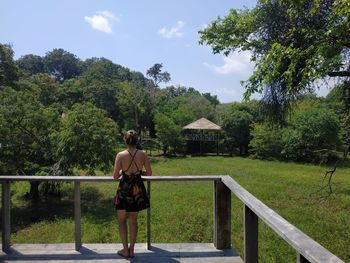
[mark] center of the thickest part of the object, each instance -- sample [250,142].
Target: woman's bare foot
[131,252]
[124,253]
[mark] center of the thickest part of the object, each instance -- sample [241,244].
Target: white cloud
[102,21]
[173,32]
[237,63]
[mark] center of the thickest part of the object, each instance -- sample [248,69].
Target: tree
[266,141]
[135,103]
[31,64]
[300,43]
[236,125]
[86,139]
[104,70]
[26,127]
[8,67]
[61,64]
[156,74]
[168,132]
[213,99]
[47,89]
[312,137]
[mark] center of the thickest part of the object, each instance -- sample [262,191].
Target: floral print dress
[131,193]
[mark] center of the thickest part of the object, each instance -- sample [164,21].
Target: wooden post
[250,236]
[301,259]
[217,143]
[77,215]
[149,217]
[222,216]
[6,216]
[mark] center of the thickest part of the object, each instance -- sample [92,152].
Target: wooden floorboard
[169,253]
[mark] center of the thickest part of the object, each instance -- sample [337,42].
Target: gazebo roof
[202,124]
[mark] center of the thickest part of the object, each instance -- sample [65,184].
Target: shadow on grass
[93,207]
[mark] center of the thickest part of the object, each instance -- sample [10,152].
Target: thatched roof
[202,124]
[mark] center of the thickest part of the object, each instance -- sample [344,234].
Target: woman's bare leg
[123,231]
[133,231]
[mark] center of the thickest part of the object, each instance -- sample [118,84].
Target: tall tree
[293,44]
[31,64]
[236,125]
[8,67]
[156,74]
[61,64]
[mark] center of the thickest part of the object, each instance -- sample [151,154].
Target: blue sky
[132,33]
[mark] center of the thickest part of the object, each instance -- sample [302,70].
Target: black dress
[131,194]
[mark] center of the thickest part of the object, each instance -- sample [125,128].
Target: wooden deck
[169,253]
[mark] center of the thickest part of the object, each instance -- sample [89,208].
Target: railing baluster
[77,215]
[301,259]
[222,216]
[250,236]
[149,217]
[6,216]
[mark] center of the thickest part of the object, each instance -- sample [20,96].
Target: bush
[266,142]
[312,137]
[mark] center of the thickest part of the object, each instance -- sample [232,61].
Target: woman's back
[132,160]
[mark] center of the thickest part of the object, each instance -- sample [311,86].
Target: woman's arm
[147,166]
[117,167]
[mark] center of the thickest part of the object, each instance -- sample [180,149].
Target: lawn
[182,211]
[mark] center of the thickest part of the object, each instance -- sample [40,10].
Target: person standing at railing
[131,196]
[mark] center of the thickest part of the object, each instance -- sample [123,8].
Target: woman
[131,194]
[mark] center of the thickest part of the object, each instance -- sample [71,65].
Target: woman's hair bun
[131,137]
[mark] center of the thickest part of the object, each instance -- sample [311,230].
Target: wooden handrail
[307,249]
[303,244]
[108,178]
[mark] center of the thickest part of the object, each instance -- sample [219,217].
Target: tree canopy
[292,43]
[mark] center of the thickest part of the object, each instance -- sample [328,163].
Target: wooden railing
[306,248]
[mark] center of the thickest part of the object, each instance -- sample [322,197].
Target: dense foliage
[294,45]
[58,113]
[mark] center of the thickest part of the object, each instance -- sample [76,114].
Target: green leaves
[293,43]
[87,138]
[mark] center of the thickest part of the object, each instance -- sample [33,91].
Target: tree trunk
[34,190]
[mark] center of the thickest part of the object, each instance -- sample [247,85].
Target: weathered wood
[109,178]
[6,216]
[301,259]
[222,216]
[149,217]
[302,243]
[251,250]
[77,215]
[106,252]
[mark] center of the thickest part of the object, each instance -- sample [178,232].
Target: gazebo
[203,130]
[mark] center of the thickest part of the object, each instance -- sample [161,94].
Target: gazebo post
[200,143]
[217,143]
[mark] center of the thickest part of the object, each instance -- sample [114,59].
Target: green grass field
[182,211]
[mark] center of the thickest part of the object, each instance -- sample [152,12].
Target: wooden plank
[149,217]
[302,243]
[109,178]
[222,216]
[77,215]
[250,236]
[170,252]
[6,216]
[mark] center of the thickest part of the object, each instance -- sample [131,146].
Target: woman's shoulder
[122,153]
[142,153]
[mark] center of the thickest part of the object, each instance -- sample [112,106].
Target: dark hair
[131,137]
